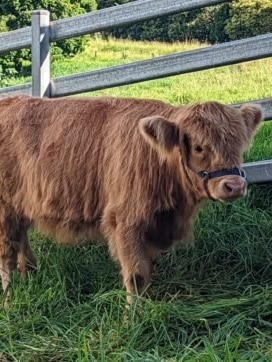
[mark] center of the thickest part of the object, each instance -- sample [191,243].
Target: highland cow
[130,172]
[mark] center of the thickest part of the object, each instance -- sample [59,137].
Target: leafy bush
[215,24]
[205,25]
[16,14]
[101,4]
[249,18]
[209,23]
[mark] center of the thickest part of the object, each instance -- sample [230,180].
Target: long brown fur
[111,169]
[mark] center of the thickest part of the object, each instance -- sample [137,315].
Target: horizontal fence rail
[15,40]
[16,89]
[102,20]
[174,64]
[258,172]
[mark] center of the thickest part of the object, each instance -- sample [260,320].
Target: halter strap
[224,172]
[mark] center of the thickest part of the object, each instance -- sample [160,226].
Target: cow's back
[53,147]
[72,159]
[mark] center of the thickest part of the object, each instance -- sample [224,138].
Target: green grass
[209,303]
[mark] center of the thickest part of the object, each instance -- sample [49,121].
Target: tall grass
[209,303]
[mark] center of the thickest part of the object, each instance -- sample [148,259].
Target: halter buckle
[203,174]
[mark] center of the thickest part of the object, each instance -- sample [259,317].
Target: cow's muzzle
[228,184]
[233,188]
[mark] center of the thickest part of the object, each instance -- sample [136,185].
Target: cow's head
[207,140]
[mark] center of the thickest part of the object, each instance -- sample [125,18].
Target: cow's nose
[235,188]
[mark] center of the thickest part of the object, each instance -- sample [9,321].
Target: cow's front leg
[136,264]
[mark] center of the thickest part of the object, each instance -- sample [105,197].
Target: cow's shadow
[233,250]
[82,271]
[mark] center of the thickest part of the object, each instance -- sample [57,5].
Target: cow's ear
[253,116]
[160,133]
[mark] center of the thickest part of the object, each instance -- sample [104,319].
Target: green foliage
[155,29]
[101,4]
[205,25]
[16,14]
[209,24]
[249,18]
[241,18]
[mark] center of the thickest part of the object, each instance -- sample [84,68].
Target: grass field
[210,303]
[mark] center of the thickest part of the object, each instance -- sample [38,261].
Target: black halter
[224,172]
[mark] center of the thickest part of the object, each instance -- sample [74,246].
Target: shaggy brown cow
[130,171]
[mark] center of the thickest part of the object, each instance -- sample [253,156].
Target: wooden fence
[41,32]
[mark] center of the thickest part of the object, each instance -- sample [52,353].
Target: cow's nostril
[234,189]
[228,188]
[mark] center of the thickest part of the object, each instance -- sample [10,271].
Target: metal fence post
[40,53]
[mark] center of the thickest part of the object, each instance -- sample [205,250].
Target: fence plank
[259,172]
[16,89]
[14,40]
[178,63]
[122,15]
[40,53]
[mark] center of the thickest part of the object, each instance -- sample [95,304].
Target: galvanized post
[40,53]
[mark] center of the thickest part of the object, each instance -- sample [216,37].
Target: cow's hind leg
[8,258]
[26,260]
[136,265]
[8,254]
[14,248]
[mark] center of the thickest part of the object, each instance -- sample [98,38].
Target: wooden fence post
[40,53]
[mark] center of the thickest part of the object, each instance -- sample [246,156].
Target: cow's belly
[69,234]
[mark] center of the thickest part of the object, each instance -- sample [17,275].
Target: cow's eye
[198,149]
